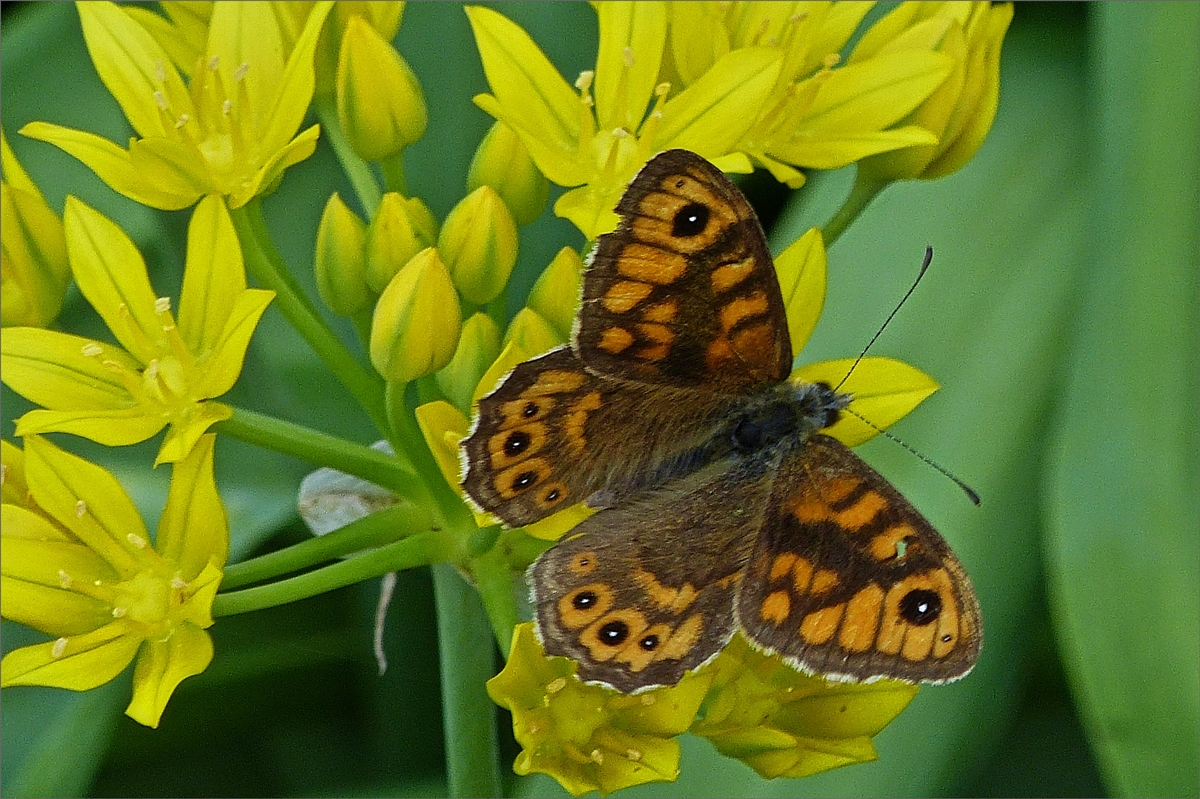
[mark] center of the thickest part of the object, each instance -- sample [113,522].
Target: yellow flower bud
[533,334]
[401,229]
[960,111]
[479,243]
[555,295]
[383,17]
[380,104]
[503,163]
[478,347]
[341,259]
[34,269]
[417,320]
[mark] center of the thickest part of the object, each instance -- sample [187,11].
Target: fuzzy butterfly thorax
[722,507]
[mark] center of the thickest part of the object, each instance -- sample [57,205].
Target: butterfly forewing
[684,291]
[546,438]
[848,580]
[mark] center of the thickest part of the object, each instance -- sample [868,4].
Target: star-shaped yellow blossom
[588,737]
[783,723]
[167,370]
[79,565]
[231,130]
[768,89]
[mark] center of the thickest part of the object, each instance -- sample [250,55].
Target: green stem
[388,471]
[380,528]
[467,658]
[393,173]
[268,268]
[408,438]
[494,582]
[418,550]
[357,170]
[865,190]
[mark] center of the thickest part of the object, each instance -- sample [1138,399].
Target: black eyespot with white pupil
[529,410]
[517,442]
[524,480]
[920,607]
[691,220]
[584,600]
[649,643]
[614,633]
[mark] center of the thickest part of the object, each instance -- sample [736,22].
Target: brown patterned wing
[642,593]
[849,581]
[684,291]
[553,434]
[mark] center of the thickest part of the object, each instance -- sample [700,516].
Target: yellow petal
[172,167]
[110,163]
[712,114]
[127,59]
[185,432]
[883,390]
[88,501]
[112,275]
[115,428]
[161,666]
[80,662]
[193,530]
[632,38]
[444,426]
[223,363]
[535,99]
[801,271]
[287,155]
[294,92]
[50,368]
[213,276]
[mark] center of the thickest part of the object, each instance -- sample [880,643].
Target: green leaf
[1123,503]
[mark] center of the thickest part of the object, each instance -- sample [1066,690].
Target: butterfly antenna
[970,492]
[924,266]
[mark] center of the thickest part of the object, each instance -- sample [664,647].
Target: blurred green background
[1060,316]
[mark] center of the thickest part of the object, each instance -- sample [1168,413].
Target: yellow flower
[961,110]
[78,565]
[740,84]
[783,723]
[587,737]
[229,131]
[34,271]
[164,370]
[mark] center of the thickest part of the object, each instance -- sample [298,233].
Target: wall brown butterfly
[722,505]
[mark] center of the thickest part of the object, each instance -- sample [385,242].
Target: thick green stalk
[388,471]
[865,190]
[264,262]
[467,657]
[418,550]
[380,528]
[357,170]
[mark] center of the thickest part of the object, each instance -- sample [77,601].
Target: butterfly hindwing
[848,580]
[642,593]
[684,291]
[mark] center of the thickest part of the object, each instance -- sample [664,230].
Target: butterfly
[722,507]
